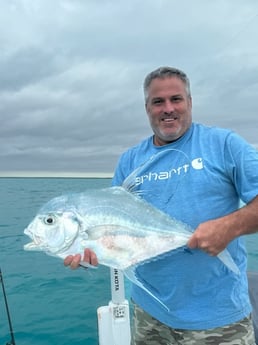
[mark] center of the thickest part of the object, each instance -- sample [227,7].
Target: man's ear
[146,108]
[190,101]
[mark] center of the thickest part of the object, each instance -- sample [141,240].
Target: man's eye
[176,99]
[157,101]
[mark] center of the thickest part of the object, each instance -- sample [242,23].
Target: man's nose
[168,107]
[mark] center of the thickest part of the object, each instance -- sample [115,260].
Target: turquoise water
[48,303]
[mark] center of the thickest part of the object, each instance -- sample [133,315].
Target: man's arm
[214,235]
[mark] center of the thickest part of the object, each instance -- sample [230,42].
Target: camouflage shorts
[149,331]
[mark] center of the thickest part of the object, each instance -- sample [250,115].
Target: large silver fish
[118,225]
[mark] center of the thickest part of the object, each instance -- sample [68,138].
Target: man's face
[169,109]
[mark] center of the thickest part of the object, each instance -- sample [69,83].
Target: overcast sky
[71,74]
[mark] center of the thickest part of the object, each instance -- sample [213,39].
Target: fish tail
[130,274]
[228,261]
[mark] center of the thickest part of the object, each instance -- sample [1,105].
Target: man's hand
[211,236]
[214,235]
[74,260]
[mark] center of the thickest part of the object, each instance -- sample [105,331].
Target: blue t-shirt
[202,176]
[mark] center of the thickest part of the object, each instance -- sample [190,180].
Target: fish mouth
[36,238]
[33,246]
[37,241]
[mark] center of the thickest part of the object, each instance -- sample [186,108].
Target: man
[199,179]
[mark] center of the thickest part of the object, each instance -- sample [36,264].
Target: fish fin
[85,265]
[129,183]
[130,274]
[228,261]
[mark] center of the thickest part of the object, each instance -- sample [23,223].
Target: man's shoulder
[213,136]
[211,130]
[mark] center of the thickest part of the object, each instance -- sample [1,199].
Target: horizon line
[54,174]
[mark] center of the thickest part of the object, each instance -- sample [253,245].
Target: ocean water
[49,303]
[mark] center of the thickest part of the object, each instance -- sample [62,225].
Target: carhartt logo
[196,164]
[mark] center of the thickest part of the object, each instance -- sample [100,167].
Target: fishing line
[12,341]
[175,171]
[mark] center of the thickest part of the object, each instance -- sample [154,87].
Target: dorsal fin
[129,182]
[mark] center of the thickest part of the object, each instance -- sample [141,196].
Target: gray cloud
[72,71]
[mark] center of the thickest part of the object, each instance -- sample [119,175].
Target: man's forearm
[243,221]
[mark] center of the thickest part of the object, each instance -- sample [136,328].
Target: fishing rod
[12,341]
[114,318]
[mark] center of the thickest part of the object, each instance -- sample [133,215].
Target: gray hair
[165,72]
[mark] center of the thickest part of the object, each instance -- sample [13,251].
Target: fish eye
[49,220]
